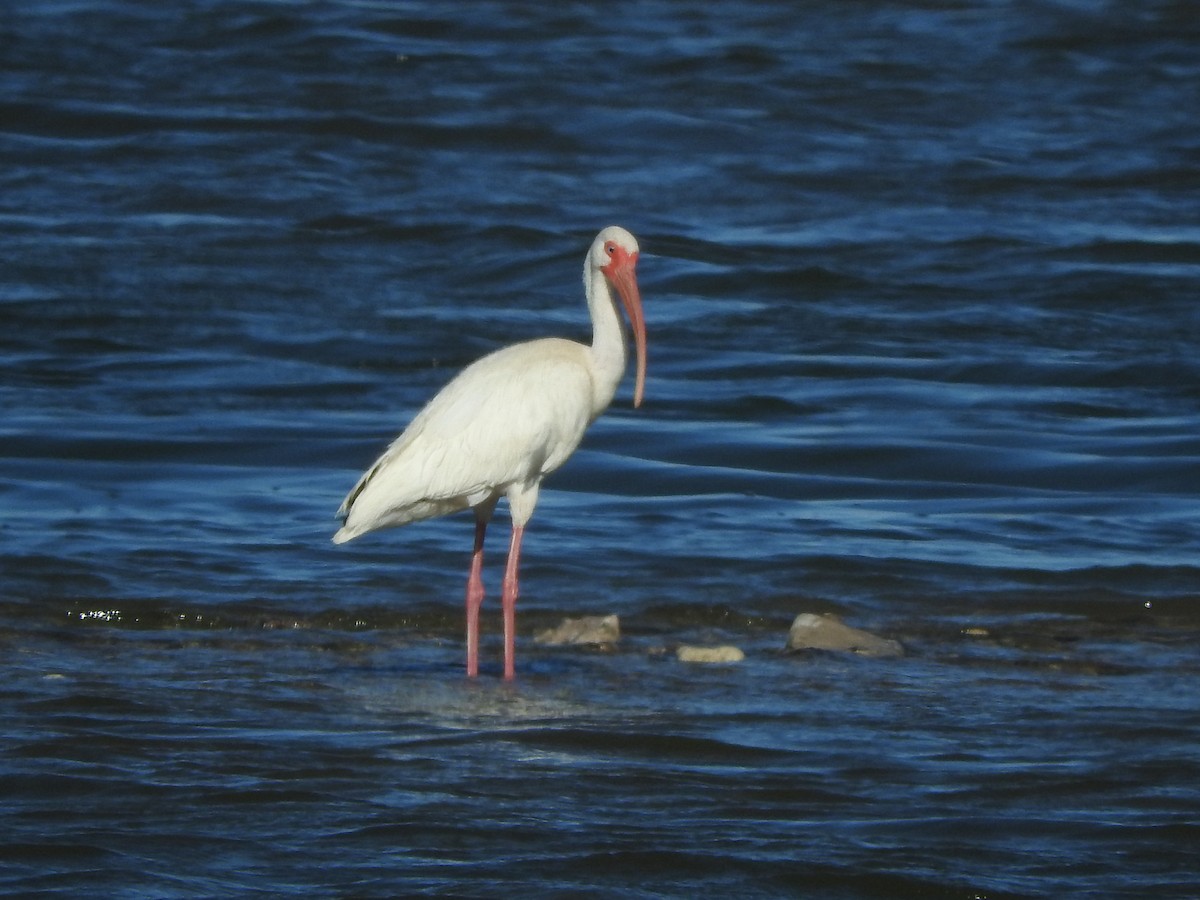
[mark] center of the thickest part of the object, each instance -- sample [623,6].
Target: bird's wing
[508,418]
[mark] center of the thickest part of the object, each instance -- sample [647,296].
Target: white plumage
[503,424]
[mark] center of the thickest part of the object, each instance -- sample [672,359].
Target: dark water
[922,285]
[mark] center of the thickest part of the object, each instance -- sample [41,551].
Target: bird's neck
[608,339]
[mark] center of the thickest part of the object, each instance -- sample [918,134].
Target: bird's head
[615,253]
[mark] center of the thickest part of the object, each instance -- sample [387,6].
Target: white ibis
[502,425]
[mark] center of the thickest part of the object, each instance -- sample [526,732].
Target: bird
[502,425]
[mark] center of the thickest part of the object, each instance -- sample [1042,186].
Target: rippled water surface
[921,285]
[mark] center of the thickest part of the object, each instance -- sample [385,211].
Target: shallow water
[921,294]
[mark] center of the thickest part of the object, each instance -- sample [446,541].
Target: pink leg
[508,603]
[475,599]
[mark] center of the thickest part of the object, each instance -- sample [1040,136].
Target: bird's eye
[610,248]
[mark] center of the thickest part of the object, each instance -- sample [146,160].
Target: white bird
[502,425]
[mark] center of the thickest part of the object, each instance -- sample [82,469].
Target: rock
[723,654]
[605,630]
[828,632]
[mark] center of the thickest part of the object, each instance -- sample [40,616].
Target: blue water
[922,289]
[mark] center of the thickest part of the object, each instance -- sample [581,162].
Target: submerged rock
[723,654]
[827,632]
[604,630]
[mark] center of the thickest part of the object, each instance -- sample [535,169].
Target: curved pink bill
[622,274]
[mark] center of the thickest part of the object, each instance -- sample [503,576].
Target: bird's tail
[345,533]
